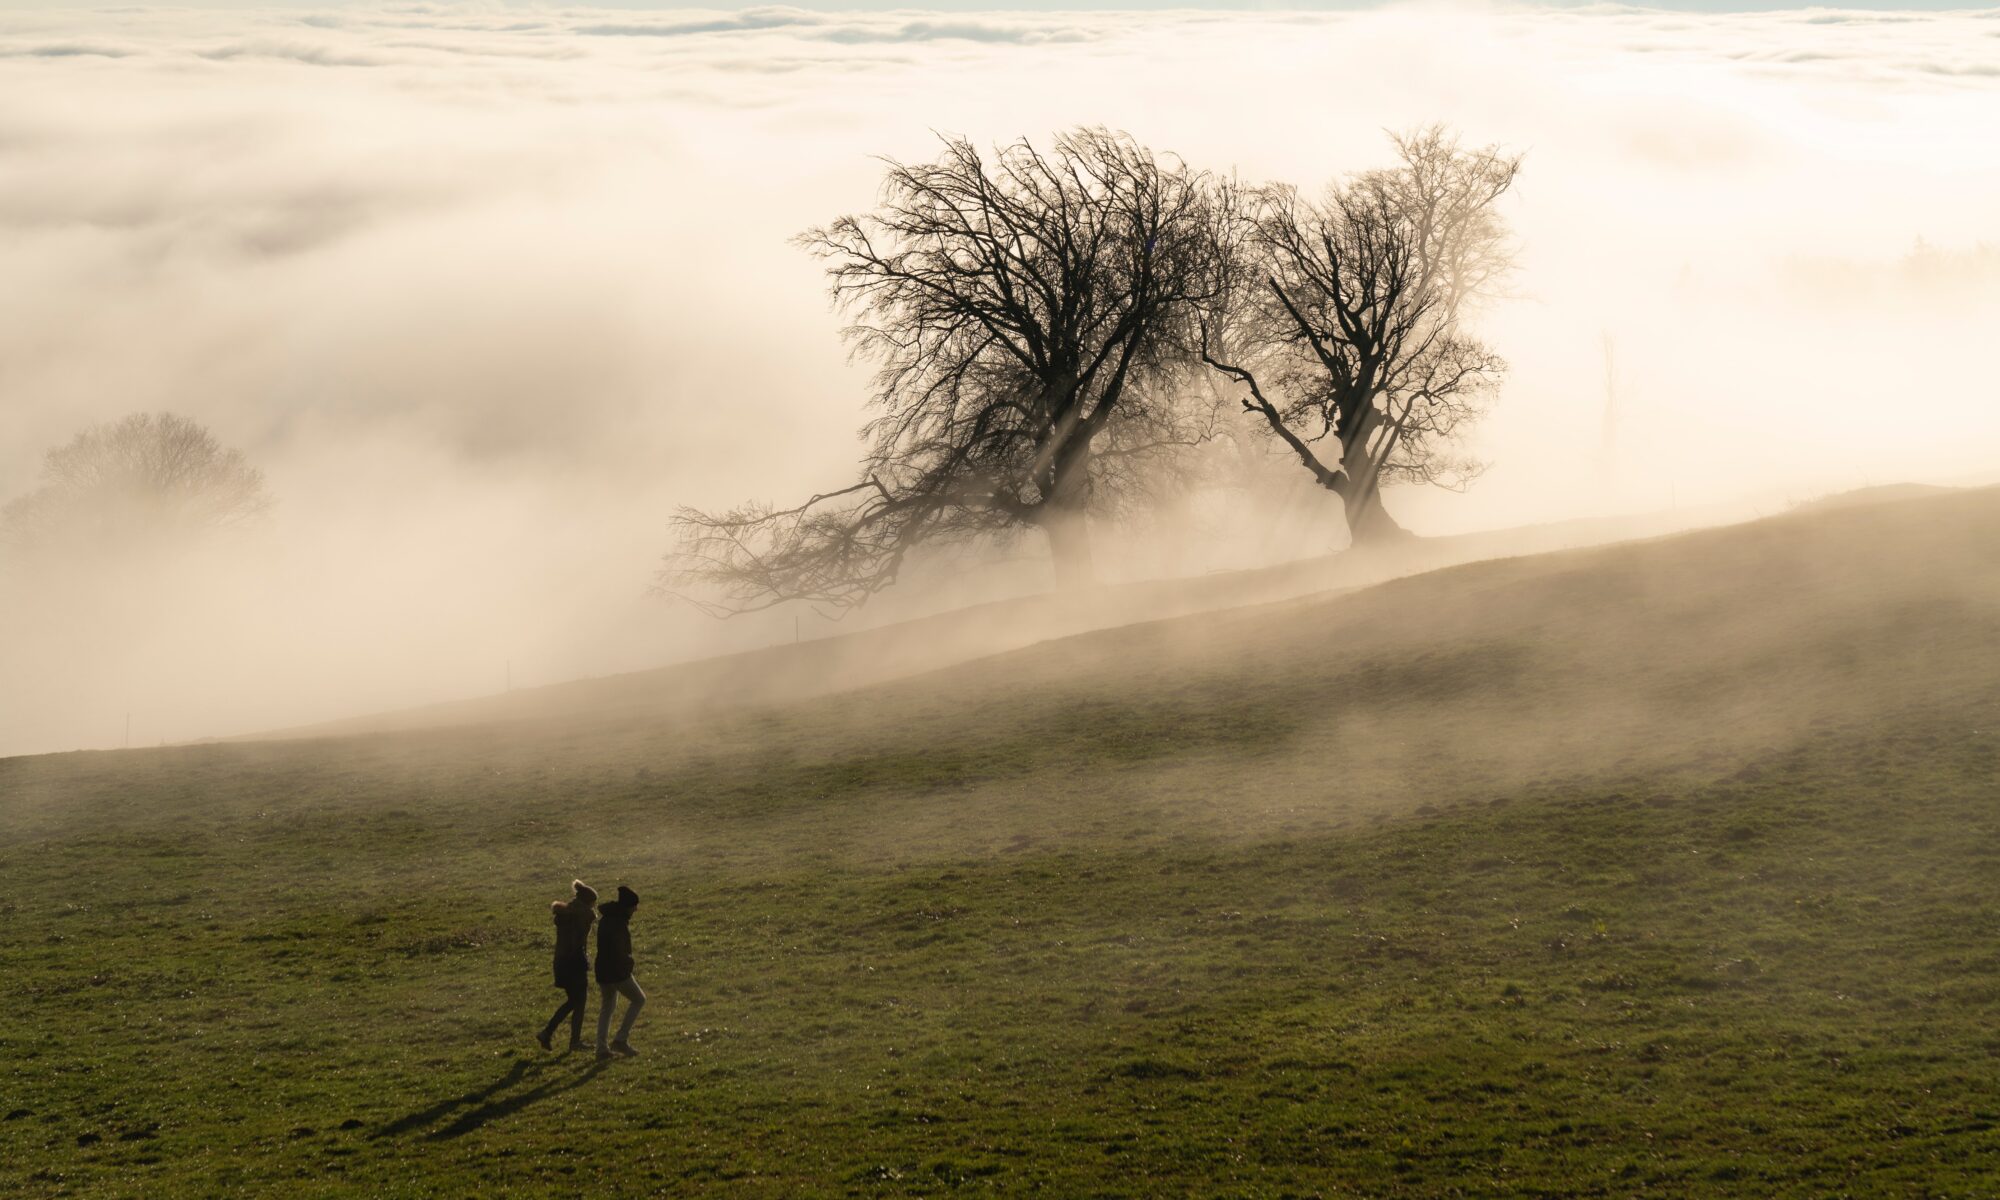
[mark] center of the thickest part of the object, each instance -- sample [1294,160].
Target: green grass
[1669,869]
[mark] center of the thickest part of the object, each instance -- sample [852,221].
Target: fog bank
[486,293]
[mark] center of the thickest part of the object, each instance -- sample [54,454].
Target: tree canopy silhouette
[149,479]
[1026,312]
[1342,320]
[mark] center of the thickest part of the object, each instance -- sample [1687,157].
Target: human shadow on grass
[486,1103]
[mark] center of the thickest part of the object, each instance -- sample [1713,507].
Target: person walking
[614,971]
[573,921]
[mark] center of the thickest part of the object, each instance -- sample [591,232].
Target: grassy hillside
[1667,868]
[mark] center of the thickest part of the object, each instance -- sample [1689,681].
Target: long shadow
[467,1122]
[485,1101]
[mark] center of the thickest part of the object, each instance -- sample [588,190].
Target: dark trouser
[577,994]
[635,1000]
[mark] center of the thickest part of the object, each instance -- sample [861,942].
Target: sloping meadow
[1668,864]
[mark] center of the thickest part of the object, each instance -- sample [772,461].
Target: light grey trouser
[634,1001]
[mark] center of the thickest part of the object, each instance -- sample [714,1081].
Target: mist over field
[1389,602]
[488,292]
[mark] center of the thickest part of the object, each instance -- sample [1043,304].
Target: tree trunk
[1066,519]
[1368,523]
[1069,547]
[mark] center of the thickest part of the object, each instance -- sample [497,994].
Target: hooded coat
[614,937]
[573,920]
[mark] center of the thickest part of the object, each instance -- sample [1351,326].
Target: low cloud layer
[487,292]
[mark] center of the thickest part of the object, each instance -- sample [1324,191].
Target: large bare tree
[1343,318]
[1025,311]
[149,479]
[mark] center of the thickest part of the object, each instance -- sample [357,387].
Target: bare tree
[1027,313]
[1342,319]
[151,478]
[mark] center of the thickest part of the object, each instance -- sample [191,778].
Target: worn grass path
[1671,869]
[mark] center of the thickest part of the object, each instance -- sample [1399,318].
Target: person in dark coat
[614,971]
[573,920]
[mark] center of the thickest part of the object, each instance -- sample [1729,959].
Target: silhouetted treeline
[1047,321]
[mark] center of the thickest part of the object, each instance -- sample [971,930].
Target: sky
[966,6]
[488,290]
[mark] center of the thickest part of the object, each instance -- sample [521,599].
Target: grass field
[1670,868]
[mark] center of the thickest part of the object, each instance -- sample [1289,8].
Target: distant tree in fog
[1028,313]
[1342,318]
[151,478]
